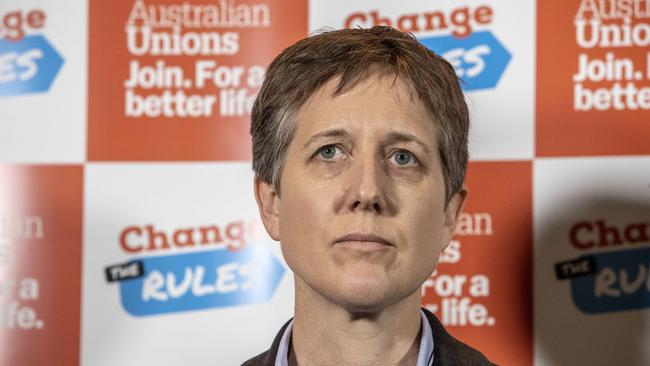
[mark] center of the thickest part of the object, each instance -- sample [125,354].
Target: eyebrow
[391,138]
[335,132]
[407,137]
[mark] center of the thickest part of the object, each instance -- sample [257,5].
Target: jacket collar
[447,350]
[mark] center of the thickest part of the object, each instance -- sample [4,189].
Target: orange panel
[483,291]
[177,111]
[593,79]
[40,264]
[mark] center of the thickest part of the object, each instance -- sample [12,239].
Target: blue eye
[403,157]
[328,152]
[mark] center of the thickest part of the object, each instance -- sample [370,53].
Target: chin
[365,296]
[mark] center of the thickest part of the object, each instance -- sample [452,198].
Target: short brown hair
[301,69]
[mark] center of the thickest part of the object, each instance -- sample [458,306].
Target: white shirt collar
[425,356]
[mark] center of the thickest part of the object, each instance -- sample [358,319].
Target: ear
[268,202]
[451,215]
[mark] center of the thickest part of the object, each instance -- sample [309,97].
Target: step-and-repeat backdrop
[128,230]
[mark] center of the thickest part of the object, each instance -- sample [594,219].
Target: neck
[389,336]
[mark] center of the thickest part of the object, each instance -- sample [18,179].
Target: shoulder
[259,360]
[450,351]
[267,358]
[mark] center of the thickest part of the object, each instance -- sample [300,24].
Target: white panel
[49,126]
[573,198]
[503,115]
[170,196]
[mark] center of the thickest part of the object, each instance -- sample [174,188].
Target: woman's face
[362,216]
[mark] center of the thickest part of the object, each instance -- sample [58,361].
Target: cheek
[326,170]
[425,220]
[302,213]
[303,232]
[426,231]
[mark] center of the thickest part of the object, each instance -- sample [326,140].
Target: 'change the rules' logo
[608,281]
[28,63]
[477,56]
[479,59]
[198,280]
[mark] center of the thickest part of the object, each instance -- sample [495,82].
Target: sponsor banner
[174,80]
[592,261]
[42,63]
[481,290]
[167,254]
[593,78]
[40,264]
[490,44]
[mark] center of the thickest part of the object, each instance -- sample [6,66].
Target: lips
[361,240]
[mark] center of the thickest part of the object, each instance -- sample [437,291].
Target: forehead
[380,103]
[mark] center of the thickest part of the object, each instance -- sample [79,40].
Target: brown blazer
[447,350]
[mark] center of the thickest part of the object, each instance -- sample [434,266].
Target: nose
[369,186]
